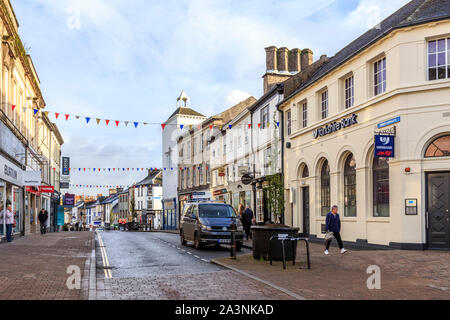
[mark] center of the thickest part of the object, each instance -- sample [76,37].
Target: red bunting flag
[13,107]
[56,115]
[117,123]
[107,122]
[210,127]
[249,125]
[67,117]
[259,125]
[163,126]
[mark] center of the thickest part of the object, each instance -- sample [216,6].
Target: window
[267,157]
[305,172]
[350,187]
[264,117]
[194,176]
[195,146]
[439,59]
[380,171]
[201,142]
[304,115]
[289,122]
[324,104]
[224,147]
[439,148]
[379,76]
[349,92]
[200,175]
[208,176]
[182,179]
[325,188]
[188,178]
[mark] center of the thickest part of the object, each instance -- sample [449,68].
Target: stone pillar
[282,59]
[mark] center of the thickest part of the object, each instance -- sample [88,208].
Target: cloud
[236,96]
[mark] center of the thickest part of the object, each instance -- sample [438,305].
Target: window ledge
[349,219]
[379,219]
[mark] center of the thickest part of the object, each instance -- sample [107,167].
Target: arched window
[380,170]
[439,148]
[350,186]
[305,172]
[325,188]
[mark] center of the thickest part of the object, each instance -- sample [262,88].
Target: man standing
[247,219]
[9,221]
[43,216]
[333,224]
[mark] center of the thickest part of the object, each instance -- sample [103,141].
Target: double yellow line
[108,274]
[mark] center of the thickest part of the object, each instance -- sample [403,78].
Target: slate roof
[187,112]
[413,13]
[149,179]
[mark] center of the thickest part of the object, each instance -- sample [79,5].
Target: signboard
[47,189]
[31,178]
[65,166]
[33,190]
[60,216]
[10,172]
[411,206]
[64,185]
[69,199]
[246,179]
[335,126]
[219,192]
[221,172]
[384,146]
[10,144]
[388,122]
[201,195]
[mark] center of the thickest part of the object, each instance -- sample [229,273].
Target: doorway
[438,206]
[305,207]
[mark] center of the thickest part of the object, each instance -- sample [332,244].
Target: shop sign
[219,192]
[31,178]
[388,122]
[65,166]
[246,179]
[221,172]
[201,195]
[335,126]
[384,146]
[10,172]
[47,189]
[69,199]
[33,190]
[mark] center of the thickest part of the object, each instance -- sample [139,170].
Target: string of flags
[74,170]
[107,122]
[96,186]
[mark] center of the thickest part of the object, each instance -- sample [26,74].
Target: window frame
[350,189]
[324,104]
[304,114]
[325,202]
[376,183]
[264,116]
[349,92]
[377,83]
[445,52]
[289,122]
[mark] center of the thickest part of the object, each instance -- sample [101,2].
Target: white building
[181,119]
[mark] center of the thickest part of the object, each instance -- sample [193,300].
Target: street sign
[246,179]
[388,122]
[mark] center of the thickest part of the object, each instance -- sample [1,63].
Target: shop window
[325,188]
[439,148]
[380,170]
[350,187]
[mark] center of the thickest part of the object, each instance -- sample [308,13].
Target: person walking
[43,216]
[247,218]
[333,228]
[8,217]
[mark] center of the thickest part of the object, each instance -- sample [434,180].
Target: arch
[300,166]
[319,159]
[325,187]
[438,147]
[428,137]
[342,155]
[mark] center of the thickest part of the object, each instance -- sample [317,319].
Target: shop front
[11,196]
[221,195]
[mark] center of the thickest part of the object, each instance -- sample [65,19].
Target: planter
[261,239]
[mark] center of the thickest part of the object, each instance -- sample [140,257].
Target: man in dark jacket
[43,216]
[247,218]
[333,224]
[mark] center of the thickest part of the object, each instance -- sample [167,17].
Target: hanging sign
[65,166]
[31,178]
[384,146]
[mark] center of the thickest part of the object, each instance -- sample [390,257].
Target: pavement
[36,267]
[403,274]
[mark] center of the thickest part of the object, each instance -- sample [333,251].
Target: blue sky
[130,59]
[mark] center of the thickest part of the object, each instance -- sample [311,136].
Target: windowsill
[379,219]
[349,219]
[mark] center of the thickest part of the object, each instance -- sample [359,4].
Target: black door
[267,217]
[305,211]
[438,231]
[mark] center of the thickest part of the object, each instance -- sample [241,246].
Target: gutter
[281,90]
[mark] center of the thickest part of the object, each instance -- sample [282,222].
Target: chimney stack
[294,60]
[306,58]
[282,60]
[271,59]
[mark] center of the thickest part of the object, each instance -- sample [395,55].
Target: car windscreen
[216,211]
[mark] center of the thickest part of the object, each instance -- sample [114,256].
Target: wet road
[154,265]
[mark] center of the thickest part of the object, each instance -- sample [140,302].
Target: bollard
[233,241]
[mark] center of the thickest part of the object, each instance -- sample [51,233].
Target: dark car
[209,223]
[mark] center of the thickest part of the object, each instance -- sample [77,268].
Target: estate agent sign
[384,146]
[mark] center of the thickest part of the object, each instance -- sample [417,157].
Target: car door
[188,229]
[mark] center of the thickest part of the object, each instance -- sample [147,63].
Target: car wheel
[183,241]
[238,246]
[197,243]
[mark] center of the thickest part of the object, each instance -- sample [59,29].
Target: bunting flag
[77,117]
[107,122]
[126,123]
[98,121]
[136,124]
[230,126]
[117,123]
[46,113]
[190,127]
[88,119]
[67,117]
[259,125]
[249,125]
[56,115]
[13,106]
[35,111]
[278,124]
[210,127]
[181,126]
[163,125]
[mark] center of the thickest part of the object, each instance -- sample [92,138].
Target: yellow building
[30,142]
[392,85]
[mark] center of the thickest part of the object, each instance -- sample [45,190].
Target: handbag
[329,235]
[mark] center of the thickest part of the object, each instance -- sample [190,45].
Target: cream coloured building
[394,79]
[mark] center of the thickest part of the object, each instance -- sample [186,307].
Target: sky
[129,60]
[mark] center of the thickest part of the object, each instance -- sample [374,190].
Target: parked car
[209,223]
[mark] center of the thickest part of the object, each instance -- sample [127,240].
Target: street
[154,265]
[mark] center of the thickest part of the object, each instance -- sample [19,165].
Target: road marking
[108,274]
[197,257]
[205,260]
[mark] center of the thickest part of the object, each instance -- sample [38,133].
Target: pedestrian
[241,212]
[333,229]
[8,217]
[248,220]
[77,226]
[43,216]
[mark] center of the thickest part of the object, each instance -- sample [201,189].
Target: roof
[149,179]
[232,112]
[265,96]
[186,112]
[110,199]
[413,13]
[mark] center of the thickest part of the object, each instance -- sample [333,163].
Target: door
[438,226]
[305,196]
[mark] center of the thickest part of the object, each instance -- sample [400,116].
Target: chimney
[282,59]
[294,60]
[306,58]
[271,59]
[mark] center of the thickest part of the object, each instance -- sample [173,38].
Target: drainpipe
[281,90]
